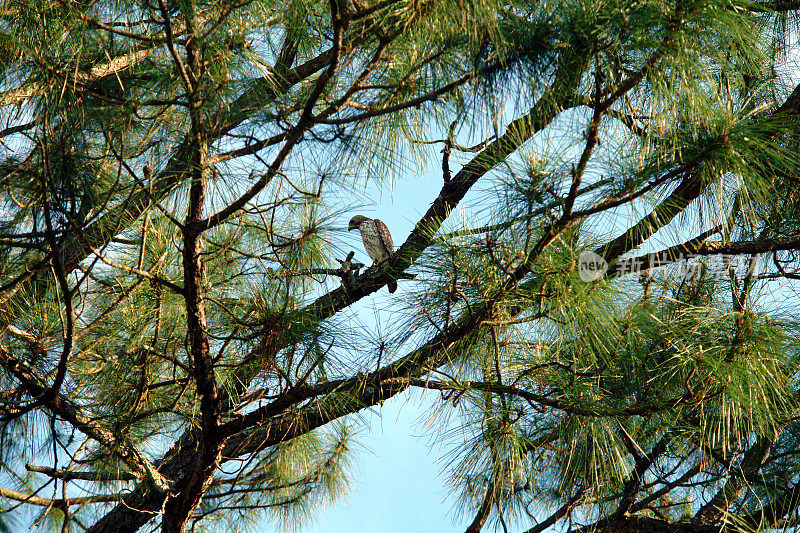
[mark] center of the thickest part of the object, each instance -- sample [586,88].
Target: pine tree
[177,346]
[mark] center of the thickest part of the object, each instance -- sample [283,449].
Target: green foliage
[180,321]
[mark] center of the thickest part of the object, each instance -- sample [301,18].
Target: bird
[377,240]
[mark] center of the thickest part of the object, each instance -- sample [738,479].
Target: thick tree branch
[638,524]
[633,485]
[484,510]
[58,504]
[69,475]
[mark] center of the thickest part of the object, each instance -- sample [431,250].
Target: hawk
[377,240]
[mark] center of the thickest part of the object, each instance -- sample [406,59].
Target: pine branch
[560,513]
[688,190]
[643,462]
[638,524]
[84,423]
[769,515]
[751,463]
[96,73]
[55,503]
[69,475]
[533,214]
[484,510]
[141,273]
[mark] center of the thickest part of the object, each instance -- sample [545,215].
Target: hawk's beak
[350,228]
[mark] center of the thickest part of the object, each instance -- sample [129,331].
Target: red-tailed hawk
[377,240]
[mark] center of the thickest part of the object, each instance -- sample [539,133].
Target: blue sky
[397,484]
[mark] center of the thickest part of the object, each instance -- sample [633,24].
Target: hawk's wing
[386,237]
